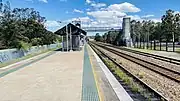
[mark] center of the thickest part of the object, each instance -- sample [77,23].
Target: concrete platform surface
[54,78]
[111,89]
[106,91]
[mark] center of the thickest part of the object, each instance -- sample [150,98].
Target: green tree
[97,37]
[170,23]
[23,26]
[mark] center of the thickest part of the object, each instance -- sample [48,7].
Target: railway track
[162,58]
[156,94]
[169,73]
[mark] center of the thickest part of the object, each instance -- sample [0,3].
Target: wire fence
[159,46]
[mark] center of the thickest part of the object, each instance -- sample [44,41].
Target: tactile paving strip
[89,89]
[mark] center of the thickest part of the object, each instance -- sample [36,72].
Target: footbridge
[100,29]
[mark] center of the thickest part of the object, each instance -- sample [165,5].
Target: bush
[36,41]
[23,45]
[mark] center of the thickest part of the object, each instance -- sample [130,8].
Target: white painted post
[79,41]
[71,38]
[62,44]
[67,38]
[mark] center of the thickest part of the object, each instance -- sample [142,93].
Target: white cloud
[106,14]
[148,16]
[77,11]
[124,7]
[138,18]
[156,20]
[135,17]
[82,19]
[29,0]
[98,5]
[45,1]
[88,1]
[112,15]
[94,4]
[88,9]
[118,10]
[51,23]
[63,0]
[176,12]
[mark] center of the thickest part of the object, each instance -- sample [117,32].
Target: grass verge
[135,86]
[177,50]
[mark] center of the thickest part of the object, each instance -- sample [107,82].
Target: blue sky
[97,12]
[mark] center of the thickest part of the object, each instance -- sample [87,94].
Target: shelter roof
[74,30]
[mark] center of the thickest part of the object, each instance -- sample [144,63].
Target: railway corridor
[165,86]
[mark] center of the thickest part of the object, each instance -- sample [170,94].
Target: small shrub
[127,80]
[141,75]
[135,88]
[23,45]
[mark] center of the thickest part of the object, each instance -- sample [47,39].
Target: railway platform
[61,76]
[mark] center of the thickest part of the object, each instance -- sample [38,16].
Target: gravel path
[167,87]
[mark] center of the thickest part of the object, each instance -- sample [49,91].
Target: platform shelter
[73,37]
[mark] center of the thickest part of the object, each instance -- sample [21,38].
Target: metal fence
[156,45]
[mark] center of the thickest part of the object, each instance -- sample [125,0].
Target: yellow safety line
[101,97]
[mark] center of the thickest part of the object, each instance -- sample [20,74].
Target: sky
[97,13]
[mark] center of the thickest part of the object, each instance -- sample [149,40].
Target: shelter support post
[62,43]
[67,38]
[70,38]
[79,41]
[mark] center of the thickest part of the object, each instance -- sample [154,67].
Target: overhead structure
[100,29]
[73,37]
[126,32]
